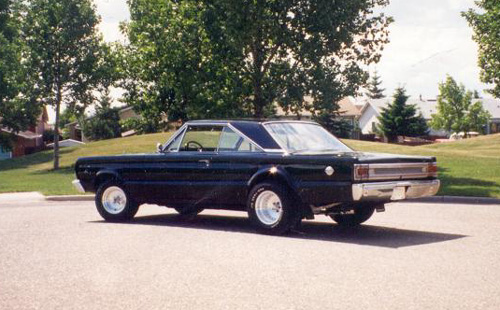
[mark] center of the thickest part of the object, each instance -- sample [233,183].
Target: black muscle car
[278,171]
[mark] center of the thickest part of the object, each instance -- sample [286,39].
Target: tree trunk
[259,101]
[56,129]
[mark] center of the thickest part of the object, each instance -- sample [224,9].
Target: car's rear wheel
[271,208]
[360,215]
[114,204]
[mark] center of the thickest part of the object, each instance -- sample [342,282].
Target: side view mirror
[159,147]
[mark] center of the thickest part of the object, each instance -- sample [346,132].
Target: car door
[235,162]
[189,169]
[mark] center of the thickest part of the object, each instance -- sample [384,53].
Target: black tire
[188,211]
[123,214]
[290,212]
[361,214]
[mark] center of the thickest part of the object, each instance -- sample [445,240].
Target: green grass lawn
[466,168]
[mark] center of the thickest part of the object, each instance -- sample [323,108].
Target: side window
[174,145]
[230,141]
[201,139]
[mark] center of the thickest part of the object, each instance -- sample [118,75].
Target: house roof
[23,134]
[492,106]
[346,108]
[67,143]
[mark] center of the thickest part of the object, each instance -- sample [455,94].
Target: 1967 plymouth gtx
[280,172]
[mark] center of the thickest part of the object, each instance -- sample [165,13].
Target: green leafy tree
[373,87]
[336,125]
[105,124]
[228,58]
[401,119]
[486,26]
[142,125]
[169,67]
[66,55]
[68,115]
[290,50]
[17,110]
[477,117]
[455,111]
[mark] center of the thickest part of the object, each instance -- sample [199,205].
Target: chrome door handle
[205,161]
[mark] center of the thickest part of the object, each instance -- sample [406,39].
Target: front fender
[106,174]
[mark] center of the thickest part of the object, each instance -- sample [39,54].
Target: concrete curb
[457,200]
[70,198]
[433,199]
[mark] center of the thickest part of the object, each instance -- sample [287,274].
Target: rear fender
[271,173]
[278,174]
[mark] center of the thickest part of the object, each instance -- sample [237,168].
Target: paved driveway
[60,255]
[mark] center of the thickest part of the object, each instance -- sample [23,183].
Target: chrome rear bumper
[398,190]
[78,186]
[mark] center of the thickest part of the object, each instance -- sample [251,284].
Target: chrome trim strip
[290,121]
[207,124]
[388,191]
[400,165]
[78,186]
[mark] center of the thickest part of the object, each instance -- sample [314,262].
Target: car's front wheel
[271,208]
[360,215]
[114,204]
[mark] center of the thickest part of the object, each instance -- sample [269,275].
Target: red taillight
[432,169]
[361,172]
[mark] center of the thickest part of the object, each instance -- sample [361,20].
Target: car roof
[246,121]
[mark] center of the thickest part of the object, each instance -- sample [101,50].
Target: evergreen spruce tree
[373,87]
[401,119]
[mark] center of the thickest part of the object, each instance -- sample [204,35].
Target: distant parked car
[462,135]
[280,172]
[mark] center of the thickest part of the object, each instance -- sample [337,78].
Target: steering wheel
[198,146]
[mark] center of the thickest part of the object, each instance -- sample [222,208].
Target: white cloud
[112,13]
[429,39]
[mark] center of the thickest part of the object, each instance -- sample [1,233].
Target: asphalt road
[61,255]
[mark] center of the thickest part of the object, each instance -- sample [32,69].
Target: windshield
[305,137]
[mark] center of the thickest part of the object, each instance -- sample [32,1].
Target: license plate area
[399,193]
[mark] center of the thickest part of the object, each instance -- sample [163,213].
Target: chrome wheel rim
[114,200]
[268,208]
